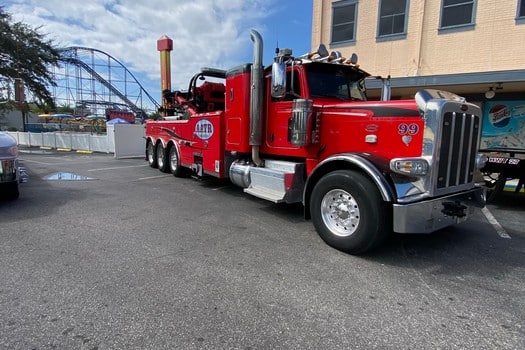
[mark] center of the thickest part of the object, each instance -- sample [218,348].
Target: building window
[457,13]
[344,14]
[392,17]
[521,9]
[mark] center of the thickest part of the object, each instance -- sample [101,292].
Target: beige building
[466,46]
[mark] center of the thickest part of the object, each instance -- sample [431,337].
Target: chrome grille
[457,156]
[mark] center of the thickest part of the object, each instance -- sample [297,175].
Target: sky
[205,33]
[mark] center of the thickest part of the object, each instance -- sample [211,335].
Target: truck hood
[372,108]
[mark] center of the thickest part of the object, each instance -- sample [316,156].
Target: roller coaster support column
[165,45]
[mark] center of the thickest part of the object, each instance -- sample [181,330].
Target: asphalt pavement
[105,253]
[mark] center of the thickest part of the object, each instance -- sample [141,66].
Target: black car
[9,171]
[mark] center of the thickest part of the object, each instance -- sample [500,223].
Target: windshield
[332,80]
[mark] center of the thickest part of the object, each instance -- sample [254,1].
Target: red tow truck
[302,130]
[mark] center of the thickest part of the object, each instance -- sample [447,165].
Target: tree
[25,54]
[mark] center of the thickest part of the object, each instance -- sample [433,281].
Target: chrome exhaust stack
[256,96]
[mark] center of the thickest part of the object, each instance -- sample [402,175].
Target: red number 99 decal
[413,129]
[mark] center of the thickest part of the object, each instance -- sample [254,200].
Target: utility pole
[20,98]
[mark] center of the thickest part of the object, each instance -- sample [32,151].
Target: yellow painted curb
[64,149]
[84,151]
[46,147]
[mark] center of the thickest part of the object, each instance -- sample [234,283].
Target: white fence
[121,139]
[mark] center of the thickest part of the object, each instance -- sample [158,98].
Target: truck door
[278,112]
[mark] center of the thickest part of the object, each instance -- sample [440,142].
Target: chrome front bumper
[434,214]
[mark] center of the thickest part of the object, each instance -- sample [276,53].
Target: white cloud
[213,33]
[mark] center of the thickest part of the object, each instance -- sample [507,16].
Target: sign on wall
[503,125]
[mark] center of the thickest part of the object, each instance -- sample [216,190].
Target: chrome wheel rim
[150,153]
[340,212]
[160,156]
[173,159]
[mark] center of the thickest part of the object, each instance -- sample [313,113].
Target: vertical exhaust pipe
[256,96]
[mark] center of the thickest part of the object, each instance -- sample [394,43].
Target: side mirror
[278,79]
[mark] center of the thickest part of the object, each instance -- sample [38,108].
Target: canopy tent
[118,121]
[61,115]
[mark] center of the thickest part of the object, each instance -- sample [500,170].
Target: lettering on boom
[204,129]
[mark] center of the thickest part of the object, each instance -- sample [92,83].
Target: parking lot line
[497,226]
[153,177]
[119,167]
[38,162]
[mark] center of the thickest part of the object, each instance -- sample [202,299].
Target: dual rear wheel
[162,158]
[151,154]
[166,160]
[174,162]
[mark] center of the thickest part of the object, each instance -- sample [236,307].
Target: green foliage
[26,54]
[154,116]
[42,108]
[45,108]
[64,108]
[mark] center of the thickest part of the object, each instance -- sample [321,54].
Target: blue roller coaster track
[91,81]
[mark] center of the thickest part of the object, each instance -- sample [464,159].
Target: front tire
[15,192]
[10,192]
[349,213]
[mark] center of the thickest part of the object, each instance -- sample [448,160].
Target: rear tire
[174,162]
[151,154]
[9,191]
[15,192]
[162,158]
[348,212]
[495,186]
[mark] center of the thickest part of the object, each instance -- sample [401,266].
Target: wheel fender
[155,141]
[347,161]
[173,143]
[161,142]
[150,140]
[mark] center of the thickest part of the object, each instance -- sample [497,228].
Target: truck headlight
[481,160]
[410,166]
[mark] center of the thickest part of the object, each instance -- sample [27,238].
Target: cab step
[278,181]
